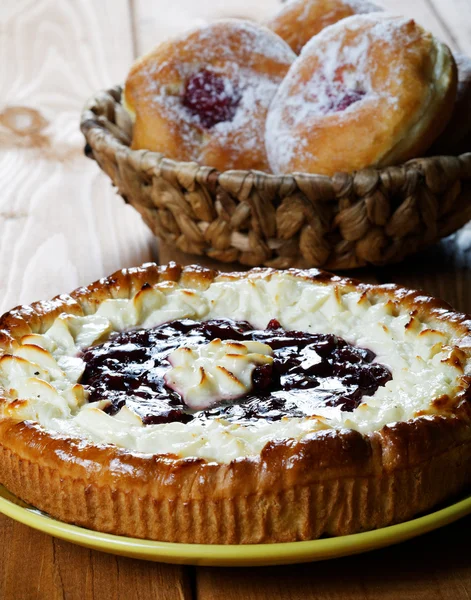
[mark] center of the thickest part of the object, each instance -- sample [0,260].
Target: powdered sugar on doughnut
[260,40]
[340,83]
[248,59]
[254,91]
[257,93]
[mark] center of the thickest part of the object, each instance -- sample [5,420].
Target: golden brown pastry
[370,90]
[89,433]
[204,96]
[300,20]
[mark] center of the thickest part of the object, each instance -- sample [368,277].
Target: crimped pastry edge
[334,506]
[332,483]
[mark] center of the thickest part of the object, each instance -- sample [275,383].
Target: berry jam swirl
[309,370]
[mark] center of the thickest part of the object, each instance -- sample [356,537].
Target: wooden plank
[56,570]
[432,567]
[62,225]
[455,16]
[156,21]
[422,11]
[443,270]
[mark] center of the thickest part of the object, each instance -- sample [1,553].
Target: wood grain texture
[443,270]
[456,19]
[431,15]
[432,567]
[61,223]
[56,570]
[152,24]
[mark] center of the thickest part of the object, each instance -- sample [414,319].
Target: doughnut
[204,96]
[300,20]
[370,90]
[456,137]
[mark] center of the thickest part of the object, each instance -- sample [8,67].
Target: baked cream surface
[40,380]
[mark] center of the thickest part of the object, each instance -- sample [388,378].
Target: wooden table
[61,225]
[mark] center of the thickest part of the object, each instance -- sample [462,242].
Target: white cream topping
[206,374]
[45,369]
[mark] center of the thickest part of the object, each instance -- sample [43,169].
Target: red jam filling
[339,100]
[337,97]
[212,97]
[129,369]
[345,99]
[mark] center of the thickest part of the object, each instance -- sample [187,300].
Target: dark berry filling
[309,370]
[346,99]
[339,100]
[337,97]
[212,97]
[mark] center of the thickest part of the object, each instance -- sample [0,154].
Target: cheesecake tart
[185,405]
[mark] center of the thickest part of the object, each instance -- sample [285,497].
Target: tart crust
[333,482]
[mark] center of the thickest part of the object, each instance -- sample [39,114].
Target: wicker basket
[373,216]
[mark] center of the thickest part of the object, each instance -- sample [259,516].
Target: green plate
[233,556]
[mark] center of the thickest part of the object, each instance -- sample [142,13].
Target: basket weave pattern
[375,216]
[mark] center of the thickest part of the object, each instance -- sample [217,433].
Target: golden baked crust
[331,483]
[250,57]
[370,90]
[301,20]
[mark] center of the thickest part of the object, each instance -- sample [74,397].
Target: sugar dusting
[345,71]
[212,50]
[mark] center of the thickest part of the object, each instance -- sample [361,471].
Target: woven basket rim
[370,216]
[116,138]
